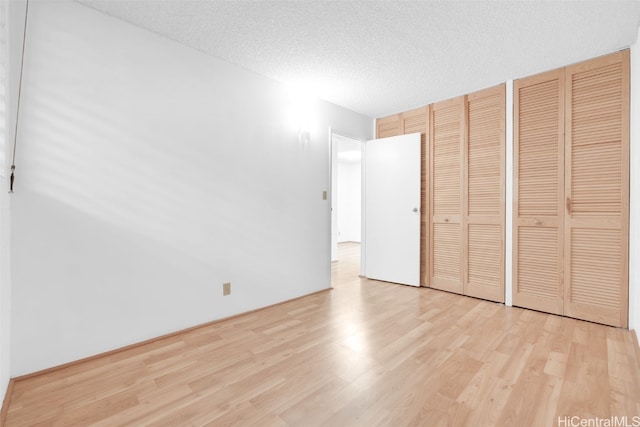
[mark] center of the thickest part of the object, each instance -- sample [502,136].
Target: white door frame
[333,169]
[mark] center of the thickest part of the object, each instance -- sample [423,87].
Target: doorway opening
[346,208]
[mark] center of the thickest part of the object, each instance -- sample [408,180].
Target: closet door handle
[569,205]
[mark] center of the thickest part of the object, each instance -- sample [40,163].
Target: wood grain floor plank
[366,353]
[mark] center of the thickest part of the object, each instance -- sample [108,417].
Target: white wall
[149,175]
[4,224]
[349,201]
[11,25]
[634,202]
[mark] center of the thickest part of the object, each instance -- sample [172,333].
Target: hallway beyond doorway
[347,268]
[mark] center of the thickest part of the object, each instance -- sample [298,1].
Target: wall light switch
[324,195]
[226,288]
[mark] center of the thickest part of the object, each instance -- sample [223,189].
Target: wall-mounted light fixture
[301,112]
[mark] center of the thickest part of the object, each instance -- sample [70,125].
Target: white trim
[332,164]
[634,189]
[363,229]
[330,194]
[508,188]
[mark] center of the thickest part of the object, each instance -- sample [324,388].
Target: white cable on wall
[15,134]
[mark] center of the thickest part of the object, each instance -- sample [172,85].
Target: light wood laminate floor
[364,354]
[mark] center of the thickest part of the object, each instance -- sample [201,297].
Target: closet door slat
[538,208]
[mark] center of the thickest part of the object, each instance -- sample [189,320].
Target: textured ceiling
[382,57]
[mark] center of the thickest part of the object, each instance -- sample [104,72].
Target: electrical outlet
[226,288]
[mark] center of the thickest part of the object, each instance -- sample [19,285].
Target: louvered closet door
[597,189]
[447,161]
[484,195]
[412,122]
[388,126]
[538,192]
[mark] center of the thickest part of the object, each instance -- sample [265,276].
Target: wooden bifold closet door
[417,121]
[597,190]
[447,162]
[571,190]
[538,203]
[467,137]
[484,195]
[414,121]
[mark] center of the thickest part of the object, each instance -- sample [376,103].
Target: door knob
[415,209]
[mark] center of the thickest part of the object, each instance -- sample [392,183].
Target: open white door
[392,209]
